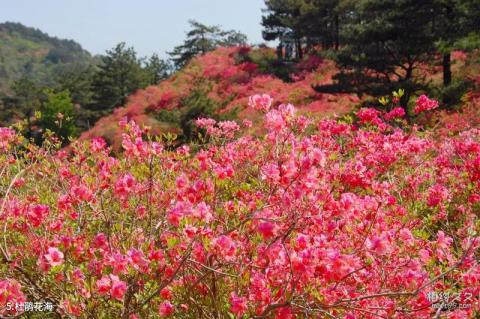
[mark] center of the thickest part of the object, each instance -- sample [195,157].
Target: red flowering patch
[423,103]
[231,78]
[315,218]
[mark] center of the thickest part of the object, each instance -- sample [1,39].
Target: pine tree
[456,24]
[26,100]
[119,75]
[202,39]
[306,23]
[283,20]
[157,69]
[384,42]
[78,81]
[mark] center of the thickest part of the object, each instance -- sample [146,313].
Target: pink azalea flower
[238,304]
[104,285]
[166,293]
[54,257]
[166,309]
[10,292]
[437,194]
[368,115]
[261,102]
[274,121]
[267,229]
[7,135]
[378,244]
[406,235]
[225,246]
[125,185]
[37,214]
[397,112]
[247,123]
[97,144]
[118,288]
[423,103]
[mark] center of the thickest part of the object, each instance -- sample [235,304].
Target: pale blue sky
[148,25]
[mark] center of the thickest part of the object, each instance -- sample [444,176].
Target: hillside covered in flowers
[372,218]
[330,170]
[220,83]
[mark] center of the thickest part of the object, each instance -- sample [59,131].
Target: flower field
[329,218]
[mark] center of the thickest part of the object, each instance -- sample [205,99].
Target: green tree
[283,20]
[120,74]
[28,52]
[78,81]
[157,69]
[322,20]
[57,113]
[456,24]
[384,42]
[197,105]
[26,100]
[202,39]
[231,38]
[305,23]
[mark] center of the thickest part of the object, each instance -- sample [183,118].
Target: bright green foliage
[57,114]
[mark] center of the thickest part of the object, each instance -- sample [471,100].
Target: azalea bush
[218,84]
[315,219]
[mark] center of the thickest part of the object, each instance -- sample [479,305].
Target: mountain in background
[29,52]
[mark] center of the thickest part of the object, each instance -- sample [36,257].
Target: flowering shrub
[313,220]
[218,129]
[397,112]
[425,104]
[260,102]
[229,76]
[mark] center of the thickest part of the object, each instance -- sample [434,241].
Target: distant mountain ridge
[29,52]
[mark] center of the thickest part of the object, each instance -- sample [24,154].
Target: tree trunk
[409,72]
[300,49]
[299,53]
[337,32]
[446,63]
[447,71]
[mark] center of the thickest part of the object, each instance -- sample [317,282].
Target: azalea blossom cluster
[423,103]
[261,102]
[315,219]
[7,136]
[225,129]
